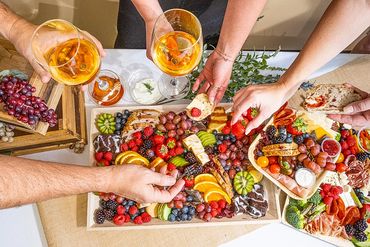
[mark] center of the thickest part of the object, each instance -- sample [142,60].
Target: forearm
[25,181]
[340,25]
[239,19]
[7,20]
[148,9]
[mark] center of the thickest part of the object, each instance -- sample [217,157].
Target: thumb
[255,123]
[43,74]
[162,180]
[358,106]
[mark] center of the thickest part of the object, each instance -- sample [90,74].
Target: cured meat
[328,225]
[358,173]
[254,203]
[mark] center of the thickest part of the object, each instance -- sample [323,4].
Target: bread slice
[201,101]
[330,98]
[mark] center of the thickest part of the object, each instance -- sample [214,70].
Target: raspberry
[327,200]
[222,203]
[148,131]
[133,210]
[138,220]
[121,210]
[214,212]
[171,167]
[127,218]
[146,217]
[213,205]
[189,183]
[195,112]
[351,141]
[131,144]
[344,145]
[344,133]
[137,135]
[135,148]
[99,216]
[222,148]
[99,156]
[108,156]
[326,187]
[138,142]
[105,162]
[119,219]
[171,152]
[124,147]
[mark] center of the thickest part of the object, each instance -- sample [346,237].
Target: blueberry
[118,120]
[306,135]
[191,211]
[175,211]
[178,218]
[142,210]
[119,115]
[123,121]
[171,218]
[221,137]
[214,132]
[189,198]
[184,217]
[289,140]
[117,132]
[227,137]
[185,210]
[127,207]
[227,167]
[232,139]
[259,153]
[130,203]
[189,218]
[289,135]
[219,142]
[238,169]
[118,126]
[124,202]
[126,112]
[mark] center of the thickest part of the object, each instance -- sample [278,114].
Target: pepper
[365,212]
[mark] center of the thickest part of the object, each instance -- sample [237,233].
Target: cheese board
[269,191]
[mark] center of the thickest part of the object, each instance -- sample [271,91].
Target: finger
[83,88]
[213,91]
[362,93]
[164,196]
[358,106]
[161,179]
[241,93]
[43,74]
[198,81]
[256,122]
[356,119]
[219,95]
[239,108]
[97,43]
[204,88]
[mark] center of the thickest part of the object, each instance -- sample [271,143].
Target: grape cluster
[6,132]
[16,94]
[313,158]
[176,125]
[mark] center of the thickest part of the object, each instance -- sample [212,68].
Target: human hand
[267,98]
[149,25]
[216,76]
[357,113]
[21,34]
[141,184]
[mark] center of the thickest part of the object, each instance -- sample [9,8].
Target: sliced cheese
[203,158]
[194,144]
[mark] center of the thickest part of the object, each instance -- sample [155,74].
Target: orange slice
[257,176]
[157,161]
[204,177]
[206,186]
[137,160]
[216,195]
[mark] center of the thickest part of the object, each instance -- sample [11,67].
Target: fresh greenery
[149,87]
[248,68]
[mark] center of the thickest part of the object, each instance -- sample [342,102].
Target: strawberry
[124,147]
[214,212]
[131,144]
[170,167]
[172,152]
[119,219]
[222,148]
[137,135]
[99,156]
[138,142]
[344,133]
[347,152]
[171,142]
[226,130]
[214,204]
[121,210]
[179,150]
[161,151]
[344,145]
[297,127]
[238,129]
[108,156]
[351,141]
[222,204]
[327,200]
[158,139]
[189,183]
[195,112]
[148,131]
[326,187]
[251,113]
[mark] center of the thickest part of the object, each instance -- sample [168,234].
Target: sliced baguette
[201,101]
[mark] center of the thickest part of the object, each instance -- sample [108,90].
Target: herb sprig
[248,68]
[149,87]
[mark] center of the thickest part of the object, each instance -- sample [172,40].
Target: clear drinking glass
[177,45]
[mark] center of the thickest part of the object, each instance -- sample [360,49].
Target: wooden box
[273,213]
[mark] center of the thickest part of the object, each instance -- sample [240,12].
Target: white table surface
[21,226]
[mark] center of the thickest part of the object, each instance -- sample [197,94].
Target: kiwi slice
[243,182]
[106,123]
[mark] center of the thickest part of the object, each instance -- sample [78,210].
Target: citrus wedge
[206,186]
[137,160]
[123,156]
[157,161]
[257,176]
[204,177]
[216,195]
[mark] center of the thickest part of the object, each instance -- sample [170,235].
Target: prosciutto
[358,173]
[327,225]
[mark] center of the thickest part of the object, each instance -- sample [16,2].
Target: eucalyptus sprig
[248,68]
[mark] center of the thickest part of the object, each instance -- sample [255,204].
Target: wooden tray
[319,179]
[273,213]
[332,240]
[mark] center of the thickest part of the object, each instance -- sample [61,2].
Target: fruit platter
[221,185]
[295,150]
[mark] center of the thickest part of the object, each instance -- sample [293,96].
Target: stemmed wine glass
[177,45]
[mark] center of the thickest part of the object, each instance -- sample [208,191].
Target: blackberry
[282,131]
[109,214]
[102,204]
[360,225]
[111,204]
[361,156]
[209,150]
[271,131]
[280,138]
[350,230]
[360,236]
[147,144]
[193,170]
[99,217]
[142,151]
[190,157]
[298,139]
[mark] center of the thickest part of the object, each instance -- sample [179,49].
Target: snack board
[271,192]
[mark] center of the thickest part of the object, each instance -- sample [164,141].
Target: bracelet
[11,28]
[225,57]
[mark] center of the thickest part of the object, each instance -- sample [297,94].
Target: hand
[20,35]
[216,76]
[267,98]
[357,113]
[141,184]
[149,25]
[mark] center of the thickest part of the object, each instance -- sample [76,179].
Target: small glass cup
[144,90]
[360,135]
[107,89]
[336,155]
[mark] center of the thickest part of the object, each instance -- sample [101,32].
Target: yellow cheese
[202,158]
[320,132]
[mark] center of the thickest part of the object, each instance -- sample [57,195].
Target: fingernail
[348,109]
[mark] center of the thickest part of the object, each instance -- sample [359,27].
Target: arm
[341,24]
[239,19]
[25,181]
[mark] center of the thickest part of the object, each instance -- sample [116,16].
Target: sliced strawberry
[195,112]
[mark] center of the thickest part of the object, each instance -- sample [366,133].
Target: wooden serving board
[273,213]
